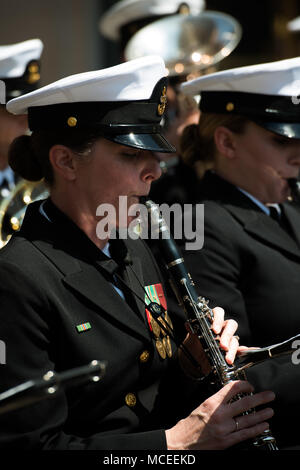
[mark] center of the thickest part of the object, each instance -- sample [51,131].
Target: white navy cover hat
[124,103]
[20,67]
[294,25]
[125,12]
[265,93]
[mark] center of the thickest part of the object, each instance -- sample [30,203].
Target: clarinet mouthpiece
[294,185]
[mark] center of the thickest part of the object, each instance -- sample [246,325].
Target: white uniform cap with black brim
[265,93]
[127,11]
[124,103]
[294,25]
[20,67]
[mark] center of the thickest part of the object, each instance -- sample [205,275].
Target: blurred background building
[73,44]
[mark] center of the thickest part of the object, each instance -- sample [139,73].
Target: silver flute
[199,315]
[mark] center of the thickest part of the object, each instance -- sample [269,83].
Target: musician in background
[126,17]
[120,24]
[293,26]
[247,147]
[192,42]
[20,73]
[72,292]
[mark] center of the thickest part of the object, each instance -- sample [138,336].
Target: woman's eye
[130,154]
[282,141]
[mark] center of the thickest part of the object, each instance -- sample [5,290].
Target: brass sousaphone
[13,207]
[189,44]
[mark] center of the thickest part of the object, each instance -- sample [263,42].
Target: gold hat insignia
[33,73]
[163,101]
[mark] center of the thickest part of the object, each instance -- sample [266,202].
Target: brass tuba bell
[13,207]
[187,43]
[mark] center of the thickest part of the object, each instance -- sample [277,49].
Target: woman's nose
[151,170]
[295,157]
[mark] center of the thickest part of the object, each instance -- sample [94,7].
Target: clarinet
[199,315]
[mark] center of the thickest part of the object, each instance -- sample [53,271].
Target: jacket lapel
[87,282]
[292,213]
[251,217]
[261,226]
[83,267]
[86,279]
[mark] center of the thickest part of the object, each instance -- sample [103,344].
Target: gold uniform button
[130,399]
[229,107]
[72,121]
[144,357]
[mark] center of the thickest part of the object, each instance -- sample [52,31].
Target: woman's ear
[225,142]
[63,161]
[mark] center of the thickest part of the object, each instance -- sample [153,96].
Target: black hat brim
[290,130]
[151,142]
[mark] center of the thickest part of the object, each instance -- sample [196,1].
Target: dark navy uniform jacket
[53,278]
[250,266]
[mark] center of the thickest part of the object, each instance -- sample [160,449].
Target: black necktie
[281,220]
[4,188]
[121,256]
[274,213]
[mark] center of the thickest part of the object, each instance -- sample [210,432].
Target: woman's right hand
[216,424]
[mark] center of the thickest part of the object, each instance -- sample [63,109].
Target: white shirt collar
[7,174]
[262,206]
[106,251]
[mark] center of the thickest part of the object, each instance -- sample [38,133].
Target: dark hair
[197,145]
[29,155]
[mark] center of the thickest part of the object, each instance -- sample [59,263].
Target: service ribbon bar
[83,327]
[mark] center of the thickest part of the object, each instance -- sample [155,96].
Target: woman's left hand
[225,334]
[225,331]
